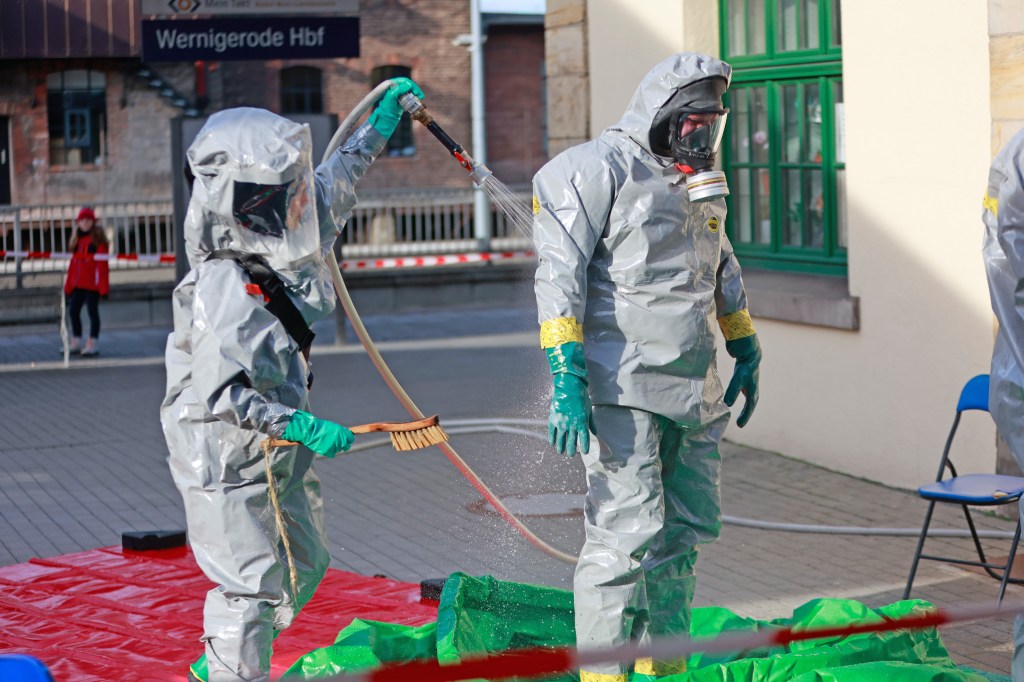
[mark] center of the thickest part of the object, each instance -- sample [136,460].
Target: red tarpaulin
[113,614]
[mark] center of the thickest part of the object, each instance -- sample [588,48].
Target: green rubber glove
[388,113]
[319,435]
[571,417]
[747,352]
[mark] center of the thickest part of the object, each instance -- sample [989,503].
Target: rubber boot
[643,671]
[197,671]
[646,670]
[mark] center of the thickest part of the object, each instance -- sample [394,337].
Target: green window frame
[784,152]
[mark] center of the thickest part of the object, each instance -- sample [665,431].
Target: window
[301,90]
[401,143]
[76,111]
[784,154]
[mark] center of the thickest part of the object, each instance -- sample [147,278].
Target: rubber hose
[396,388]
[511,426]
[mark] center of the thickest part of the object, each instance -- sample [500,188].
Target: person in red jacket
[88,279]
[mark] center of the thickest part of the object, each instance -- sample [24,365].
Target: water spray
[498,192]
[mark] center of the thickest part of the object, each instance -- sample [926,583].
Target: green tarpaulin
[481,615]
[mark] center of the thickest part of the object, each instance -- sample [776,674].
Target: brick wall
[136,144]
[515,116]
[17,90]
[414,33]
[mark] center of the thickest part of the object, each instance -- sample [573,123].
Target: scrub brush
[413,435]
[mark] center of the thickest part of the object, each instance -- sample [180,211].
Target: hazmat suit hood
[658,87]
[254,193]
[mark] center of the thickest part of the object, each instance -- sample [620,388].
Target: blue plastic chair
[985,490]
[22,668]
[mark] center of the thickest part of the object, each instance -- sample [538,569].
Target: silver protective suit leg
[1006,403]
[236,542]
[653,497]
[1017,666]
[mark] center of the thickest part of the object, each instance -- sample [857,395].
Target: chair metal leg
[1009,565]
[920,548]
[977,543]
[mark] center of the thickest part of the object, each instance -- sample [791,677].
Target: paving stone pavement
[82,459]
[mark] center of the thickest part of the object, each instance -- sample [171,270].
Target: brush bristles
[420,438]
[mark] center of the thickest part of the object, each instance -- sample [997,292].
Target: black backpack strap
[280,305]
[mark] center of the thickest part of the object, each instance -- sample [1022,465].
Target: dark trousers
[91,299]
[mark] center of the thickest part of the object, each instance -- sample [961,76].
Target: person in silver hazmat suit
[1003,250]
[634,270]
[235,376]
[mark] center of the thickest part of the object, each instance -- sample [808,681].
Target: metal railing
[385,223]
[432,221]
[139,228]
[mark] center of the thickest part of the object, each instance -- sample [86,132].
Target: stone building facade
[568,84]
[885,378]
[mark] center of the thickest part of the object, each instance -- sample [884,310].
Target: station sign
[166,8]
[244,38]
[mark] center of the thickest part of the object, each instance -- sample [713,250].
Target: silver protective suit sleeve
[647,273]
[1003,249]
[235,376]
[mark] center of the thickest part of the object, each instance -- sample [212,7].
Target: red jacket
[84,271]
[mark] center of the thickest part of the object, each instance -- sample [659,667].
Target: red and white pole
[541,662]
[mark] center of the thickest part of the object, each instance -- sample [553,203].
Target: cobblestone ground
[82,458]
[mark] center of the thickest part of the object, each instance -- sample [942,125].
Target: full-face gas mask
[689,129]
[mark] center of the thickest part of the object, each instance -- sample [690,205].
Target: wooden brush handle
[368,428]
[390,427]
[387,427]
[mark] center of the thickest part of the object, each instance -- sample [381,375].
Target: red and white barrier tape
[64,255]
[433,261]
[543,662]
[352,264]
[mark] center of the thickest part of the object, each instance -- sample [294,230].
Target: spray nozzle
[478,172]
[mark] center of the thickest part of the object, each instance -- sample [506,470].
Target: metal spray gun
[477,171]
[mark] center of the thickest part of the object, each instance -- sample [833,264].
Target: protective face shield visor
[262,209]
[268,210]
[696,137]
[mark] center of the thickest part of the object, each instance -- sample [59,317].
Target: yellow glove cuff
[737,325]
[560,330]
